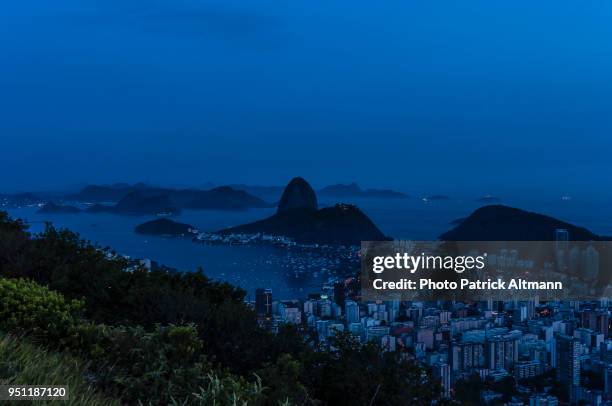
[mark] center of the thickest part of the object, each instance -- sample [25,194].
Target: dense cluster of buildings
[512,352]
[553,353]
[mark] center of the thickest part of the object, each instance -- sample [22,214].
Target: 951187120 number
[33,392]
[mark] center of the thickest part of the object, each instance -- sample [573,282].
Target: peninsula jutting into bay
[299,218]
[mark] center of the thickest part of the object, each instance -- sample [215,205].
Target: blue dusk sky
[417,95]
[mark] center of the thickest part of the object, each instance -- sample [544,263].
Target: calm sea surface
[289,274]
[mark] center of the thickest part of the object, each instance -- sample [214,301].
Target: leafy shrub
[283,382]
[134,364]
[163,366]
[128,362]
[26,307]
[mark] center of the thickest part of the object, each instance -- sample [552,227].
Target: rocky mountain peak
[298,195]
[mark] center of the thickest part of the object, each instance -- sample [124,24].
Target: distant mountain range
[263,192]
[299,217]
[144,199]
[219,197]
[351,190]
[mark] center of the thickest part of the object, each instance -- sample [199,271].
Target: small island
[166,227]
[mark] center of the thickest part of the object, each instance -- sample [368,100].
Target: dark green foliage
[29,308]
[179,338]
[134,364]
[77,269]
[283,379]
[130,363]
[356,374]
[468,390]
[23,363]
